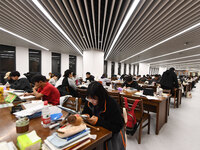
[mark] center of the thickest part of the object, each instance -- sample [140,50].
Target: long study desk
[8,130]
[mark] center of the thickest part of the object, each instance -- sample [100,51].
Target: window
[56,62]
[72,63]
[129,68]
[133,69]
[119,68]
[124,68]
[34,61]
[137,69]
[7,60]
[112,69]
[105,67]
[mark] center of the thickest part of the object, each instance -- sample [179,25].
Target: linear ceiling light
[55,24]
[188,29]
[130,12]
[2,29]
[167,54]
[175,59]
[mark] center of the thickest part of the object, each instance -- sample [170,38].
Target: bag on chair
[132,124]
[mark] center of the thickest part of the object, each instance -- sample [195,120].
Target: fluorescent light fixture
[55,24]
[2,29]
[167,54]
[130,12]
[188,29]
[175,59]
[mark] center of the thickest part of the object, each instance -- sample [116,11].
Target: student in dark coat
[129,82]
[89,77]
[169,80]
[20,83]
[104,111]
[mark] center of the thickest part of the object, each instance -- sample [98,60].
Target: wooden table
[8,130]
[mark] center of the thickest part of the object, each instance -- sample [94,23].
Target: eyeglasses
[91,100]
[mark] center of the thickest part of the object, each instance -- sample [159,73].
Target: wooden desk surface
[8,130]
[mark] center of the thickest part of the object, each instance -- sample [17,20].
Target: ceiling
[94,24]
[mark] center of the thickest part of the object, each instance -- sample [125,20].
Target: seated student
[8,79]
[104,111]
[20,83]
[45,90]
[54,79]
[89,77]
[68,85]
[104,80]
[129,82]
[156,79]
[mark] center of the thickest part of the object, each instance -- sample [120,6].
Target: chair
[139,113]
[82,93]
[73,103]
[115,96]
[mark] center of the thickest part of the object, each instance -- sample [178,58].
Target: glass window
[34,61]
[112,69]
[137,69]
[133,69]
[56,63]
[7,60]
[72,63]
[124,68]
[129,68]
[105,67]
[119,68]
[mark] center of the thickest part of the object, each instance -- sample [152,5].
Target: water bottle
[46,120]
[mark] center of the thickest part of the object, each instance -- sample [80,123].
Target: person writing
[104,111]
[130,83]
[44,90]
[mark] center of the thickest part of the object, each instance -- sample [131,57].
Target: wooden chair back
[115,96]
[73,103]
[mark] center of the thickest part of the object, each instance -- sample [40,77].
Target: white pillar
[109,68]
[22,60]
[116,68]
[79,66]
[93,62]
[161,70]
[122,68]
[143,68]
[46,66]
[127,68]
[64,63]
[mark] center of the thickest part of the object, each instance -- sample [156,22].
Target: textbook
[59,142]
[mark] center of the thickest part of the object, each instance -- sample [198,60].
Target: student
[89,77]
[20,83]
[68,85]
[156,79]
[169,80]
[54,79]
[8,79]
[104,79]
[130,83]
[45,90]
[103,111]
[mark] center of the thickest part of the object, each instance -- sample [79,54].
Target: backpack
[132,124]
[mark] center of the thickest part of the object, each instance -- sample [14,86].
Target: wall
[116,68]
[122,68]
[162,69]
[93,62]
[79,66]
[46,65]
[143,68]
[109,68]
[127,68]
[64,62]
[22,60]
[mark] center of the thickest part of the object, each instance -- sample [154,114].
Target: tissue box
[29,141]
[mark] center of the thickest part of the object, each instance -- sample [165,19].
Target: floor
[181,132]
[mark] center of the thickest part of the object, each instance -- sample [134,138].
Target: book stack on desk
[76,141]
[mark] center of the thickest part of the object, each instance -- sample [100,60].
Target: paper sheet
[33,136]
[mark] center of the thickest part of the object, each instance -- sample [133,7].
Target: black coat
[169,80]
[109,117]
[91,78]
[22,84]
[134,85]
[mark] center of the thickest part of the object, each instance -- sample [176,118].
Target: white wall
[143,68]
[46,65]
[116,68]
[79,66]
[22,60]
[122,68]
[109,68]
[136,70]
[64,62]
[127,68]
[93,62]
[161,70]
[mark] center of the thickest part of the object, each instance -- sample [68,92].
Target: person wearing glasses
[104,111]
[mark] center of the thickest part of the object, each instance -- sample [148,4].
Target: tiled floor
[181,132]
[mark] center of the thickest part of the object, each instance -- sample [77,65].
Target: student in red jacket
[45,90]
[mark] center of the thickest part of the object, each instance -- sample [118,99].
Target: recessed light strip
[55,24]
[130,12]
[2,29]
[167,54]
[188,29]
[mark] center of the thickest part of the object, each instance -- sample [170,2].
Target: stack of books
[74,142]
